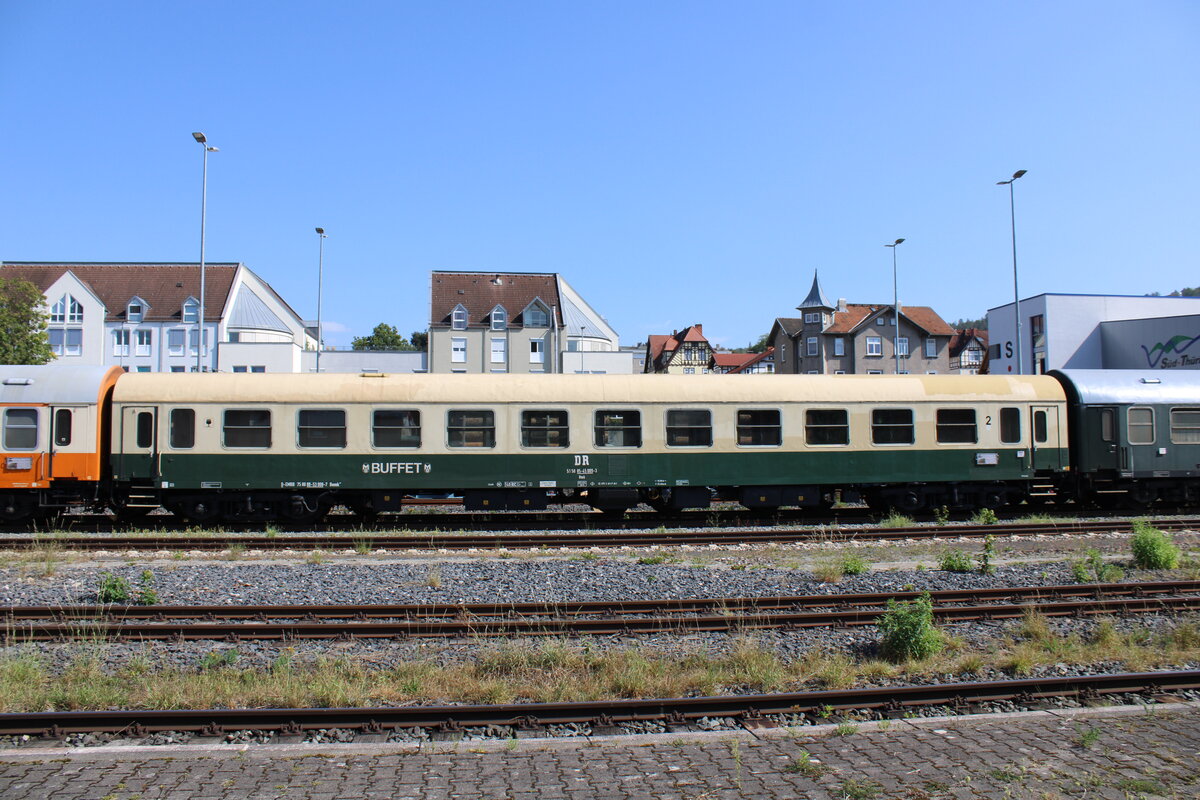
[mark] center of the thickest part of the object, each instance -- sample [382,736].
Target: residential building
[968,351]
[859,338]
[145,317]
[684,352]
[1087,331]
[745,363]
[521,322]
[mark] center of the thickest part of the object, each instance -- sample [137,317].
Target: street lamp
[203,142]
[895,305]
[1012,210]
[320,275]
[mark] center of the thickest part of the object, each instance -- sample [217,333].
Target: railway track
[235,623]
[368,541]
[601,717]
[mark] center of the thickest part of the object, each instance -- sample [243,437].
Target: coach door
[1101,438]
[1046,442]
[139,443]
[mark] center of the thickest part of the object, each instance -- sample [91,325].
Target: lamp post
[1012,210]
[203,142]
[320,276]
[895,305]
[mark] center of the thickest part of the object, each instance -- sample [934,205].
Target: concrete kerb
[301,750]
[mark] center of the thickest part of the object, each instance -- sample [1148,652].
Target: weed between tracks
[551,671]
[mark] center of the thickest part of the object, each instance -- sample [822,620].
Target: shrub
[985,516]
[941,514]
[113,588]
[955,561]
[854,565]
[908,630]
[1153,549]
[1093,569]
[985,557]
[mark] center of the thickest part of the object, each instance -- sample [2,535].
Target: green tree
[420,340]
[757,347]
[384,337]
[23,337]
[1191,292]
[962,324]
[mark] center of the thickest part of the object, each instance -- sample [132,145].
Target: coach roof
[54,384]
[546,390]
[1132,386]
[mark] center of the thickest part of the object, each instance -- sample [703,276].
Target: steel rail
[163,613]
[601,715]
[349,631]
[579,539]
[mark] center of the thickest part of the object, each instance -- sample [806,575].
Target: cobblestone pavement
[1114,753]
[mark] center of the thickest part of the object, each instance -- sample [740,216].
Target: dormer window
[536,317]
[458,318]
[499,318]
[135,310]
[191,310]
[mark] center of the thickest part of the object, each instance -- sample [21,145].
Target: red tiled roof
[732,360]
[855,314]
[164,287]
[754,359]
[964,337]
[481,292]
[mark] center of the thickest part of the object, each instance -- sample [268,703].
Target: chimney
[699,328]
[841,306]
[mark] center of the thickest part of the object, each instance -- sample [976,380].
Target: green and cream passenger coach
[210,446]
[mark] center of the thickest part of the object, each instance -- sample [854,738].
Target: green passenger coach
[213,446]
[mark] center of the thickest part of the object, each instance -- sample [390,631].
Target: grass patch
[804,764]
[1094,569]
[895,519]
[908,632]
[1153,549]
[955,561]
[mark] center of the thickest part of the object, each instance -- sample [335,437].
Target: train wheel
[16,508]
[300,510]
[993,499]
[201,511]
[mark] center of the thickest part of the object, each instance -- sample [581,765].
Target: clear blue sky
[677,162]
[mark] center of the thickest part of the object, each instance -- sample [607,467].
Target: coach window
[62,427]
[892,426]
[396,428]
[145,429]
[956,426]
[1010,425]
[689,427]
[471,428]
[544,429]
[1141,425]
[1185,425]
[321,427]
[1040,433]
[759,427]
[247,427]
[1108,425]
[182,428]
[20,429]
[618,428]
[825,426]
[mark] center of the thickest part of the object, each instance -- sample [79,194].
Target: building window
[620,428]
[181,369]
[689,370]
[956,426]
[458,319]
[182,428]
[902,346]
[191,311]
[396,428]
[321,427]
[1141,425]
[874,345]
[544,429]
[20,429]
[759,427]
[121,342]
[826,426]
[143,340]
[1037,330]
[689,427]
[499,350]
[261,368]
[133,312]
[142,369]
[812,345]
[66,341]
[193,338]
[176,337]
[972,356]
[471,428]
[67,309]
[931,348]
[536,317]
[892,426]
[1185,425]
[499,319]
[458,350]
[238,368]
[537,351]
[839,346]
[235,336]
[247,427]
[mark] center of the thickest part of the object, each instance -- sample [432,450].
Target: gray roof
[249,311]
[578,322]
[50,384]
[1132,386]
[816,298]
